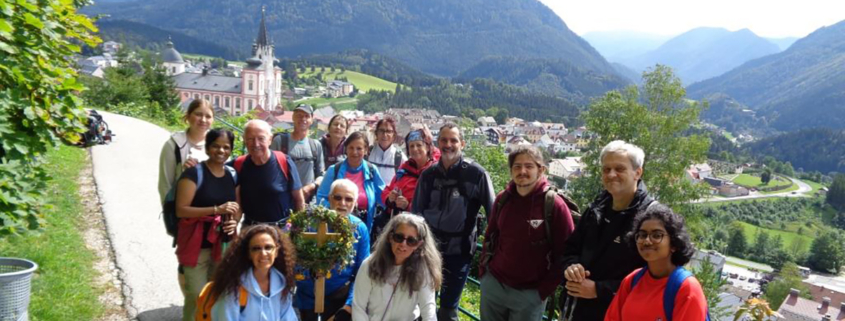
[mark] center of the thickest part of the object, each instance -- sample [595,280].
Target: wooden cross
[321,236]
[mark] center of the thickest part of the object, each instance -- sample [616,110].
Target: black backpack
[284,141]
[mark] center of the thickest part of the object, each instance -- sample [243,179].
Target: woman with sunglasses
[259,266]
[663,289]
[399,280]
[343,199]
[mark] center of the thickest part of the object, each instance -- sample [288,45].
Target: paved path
[126,173]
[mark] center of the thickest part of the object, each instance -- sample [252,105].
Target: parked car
[742,277]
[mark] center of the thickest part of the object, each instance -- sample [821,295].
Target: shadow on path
[173,313]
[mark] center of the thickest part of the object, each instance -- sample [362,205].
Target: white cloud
[774,18]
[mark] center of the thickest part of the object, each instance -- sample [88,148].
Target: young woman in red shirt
[663,290]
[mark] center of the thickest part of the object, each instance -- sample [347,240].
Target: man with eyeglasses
[384,153]
[450,195]
[597,256]
[343,197]
[524,242]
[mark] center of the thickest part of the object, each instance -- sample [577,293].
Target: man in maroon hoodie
[524,265]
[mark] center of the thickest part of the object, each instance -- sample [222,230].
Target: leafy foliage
[836,194]
[320,259]
[38,103]
[826,253]
[788,278]
[711,282]
[653,119]
[819,149]
[737,244]
[370,63]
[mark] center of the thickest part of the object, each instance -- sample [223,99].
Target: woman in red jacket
[399,194]
[663,290]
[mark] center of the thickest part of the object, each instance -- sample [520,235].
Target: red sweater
[646,301]
[521,260]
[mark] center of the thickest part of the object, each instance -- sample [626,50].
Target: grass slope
[754,181]
[361,81]
[62,287]
[788,237]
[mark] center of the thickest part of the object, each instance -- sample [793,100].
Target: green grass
[788,237]
[815,187]
[322,101]
[794,187]
[63,286]
[728,135]
[754,181]
[361,81]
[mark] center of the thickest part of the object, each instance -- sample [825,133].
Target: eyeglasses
[399,238]
[385,131]
[655,237]
[266,248]
[338,198]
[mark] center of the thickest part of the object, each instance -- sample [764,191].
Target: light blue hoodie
[258,306]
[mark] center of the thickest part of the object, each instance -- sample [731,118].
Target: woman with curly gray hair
[663,289]
[398,281]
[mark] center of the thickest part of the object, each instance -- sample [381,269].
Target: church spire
[262,39]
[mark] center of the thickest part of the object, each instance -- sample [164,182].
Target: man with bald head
[266,194]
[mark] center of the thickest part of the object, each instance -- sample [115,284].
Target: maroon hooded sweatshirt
[521,259]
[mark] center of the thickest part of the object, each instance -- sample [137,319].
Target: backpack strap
[548,207]
[243,296]
[232,172]
[199,175]
[638,276]
[177,150]
[239,163]
[397,157]
[284,140]
[673,285]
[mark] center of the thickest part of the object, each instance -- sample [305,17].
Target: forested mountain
[370,63]
[703,53]
[735,117]
[153,38]
[817,149]
[620,45]
[802,87]
[441,37]
[552,77]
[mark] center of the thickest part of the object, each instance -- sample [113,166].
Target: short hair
[356,136]
[196,104]
[635,153]
[390,121]
[675,229]
[450,125]
[260,124]
[339,116]
[344,183]
[215,133]
[529,150]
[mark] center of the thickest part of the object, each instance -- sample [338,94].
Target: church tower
[261,67]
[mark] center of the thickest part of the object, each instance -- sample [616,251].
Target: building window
[249,87]
[187,95]
[216,101]
[174,69]
[207,98]
[249,104]
[238,104]
[196,96]
[226,102]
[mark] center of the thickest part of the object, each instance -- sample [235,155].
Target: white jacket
[371,299]
[168,169]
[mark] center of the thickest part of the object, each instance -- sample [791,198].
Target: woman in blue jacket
[260,266]
[356,169]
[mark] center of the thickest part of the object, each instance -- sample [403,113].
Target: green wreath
[315,259]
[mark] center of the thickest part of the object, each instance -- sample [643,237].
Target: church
[259,85]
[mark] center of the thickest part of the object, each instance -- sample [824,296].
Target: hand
[309,190]
[191,162]
[392,196]
[401,202]
[230,226]
[576,273]
[229,208]
[585,289]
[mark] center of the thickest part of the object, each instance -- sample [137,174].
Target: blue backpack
[171,221]
[678,276]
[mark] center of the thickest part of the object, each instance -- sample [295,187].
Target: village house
[564,168]
[111,47]
[794,307]
[337,88]
[487,121]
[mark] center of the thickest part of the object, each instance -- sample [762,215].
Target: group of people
[416,235]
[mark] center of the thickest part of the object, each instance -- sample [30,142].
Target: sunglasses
[339,198]
[399,238]
[266,248]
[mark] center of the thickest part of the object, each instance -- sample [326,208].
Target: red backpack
[281,158]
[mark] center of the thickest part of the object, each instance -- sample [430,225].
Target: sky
[767,18]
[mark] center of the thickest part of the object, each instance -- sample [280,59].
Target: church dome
[170,54]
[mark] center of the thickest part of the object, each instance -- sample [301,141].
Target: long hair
[236,262]
[424,262]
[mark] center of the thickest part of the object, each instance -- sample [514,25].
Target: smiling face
[219,150]
[385,134]
[400,242]
[355,152]
[619,176]
[450,144]
[201,119]
[302,121]
[338,127]
[418,151]
[653,242]
[343,200]
[525,172]
[262,251]
[257,141]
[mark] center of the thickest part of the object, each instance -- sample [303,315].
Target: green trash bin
[15,277]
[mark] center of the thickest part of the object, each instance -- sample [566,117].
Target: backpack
[284,141]
[676,279]
[397,157]
[548,207]
[171,221]
[281,158]
[205,302]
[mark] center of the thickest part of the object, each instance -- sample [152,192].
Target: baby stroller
[98,130]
